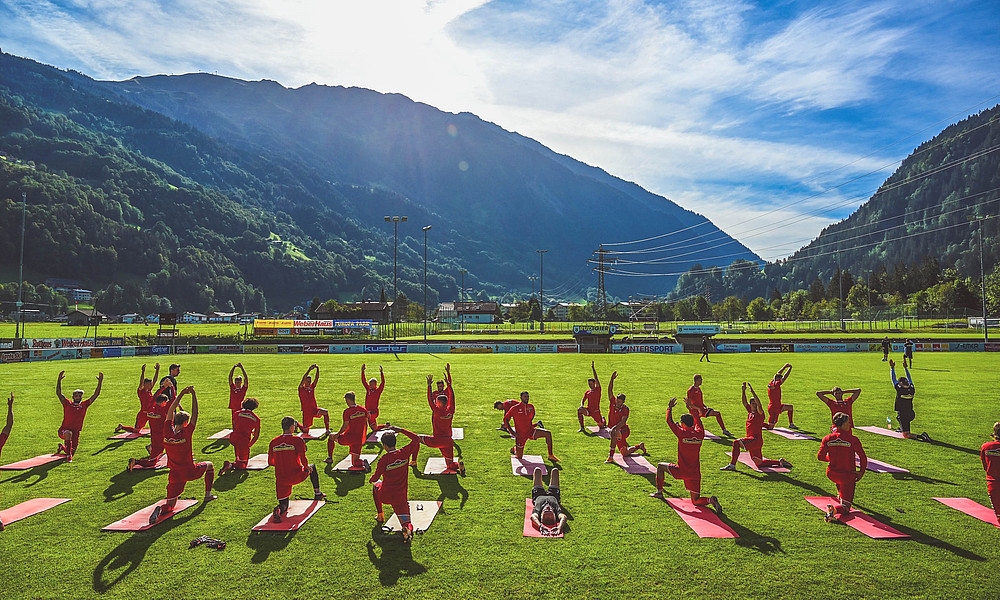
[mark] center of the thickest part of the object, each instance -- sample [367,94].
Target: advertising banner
[13,356]
[225,349]
[471,349]
[699,329]
[316,349]
[966,347]
[111,353]
[289,349]
[158,350]
[260,349]
[595,329]
[770,347]
[647,348]
[730,348]
[384,348]
[142,350]
[428,348]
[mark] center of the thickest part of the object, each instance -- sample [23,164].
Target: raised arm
[246,378]
[754,394]
[787,371]
[364,378]
[593,369]
[854,394]
[142,375]
[10,416]
[156,372]
[316,378]
[59,393]
[908,376]
[381,377]
[430,392]
[746,404]
[611,387]
[231,373]
[172,410]
[97,392]
[194,407]
[447,374]
[892,372]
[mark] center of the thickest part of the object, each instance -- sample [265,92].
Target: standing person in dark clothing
[704,349]
[904,402]
[908,353]
[886,345]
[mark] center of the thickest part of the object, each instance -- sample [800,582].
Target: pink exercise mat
[634,465]
[529,527]
[746,460]
[526,464]
[30,463]
[790,434]
[139,520]
[299,511]
[877,466]
[29,508]
[701,519]
[882,431]
[128,435]
[971,508]
[858,520]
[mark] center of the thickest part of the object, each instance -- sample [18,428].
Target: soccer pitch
[621,542]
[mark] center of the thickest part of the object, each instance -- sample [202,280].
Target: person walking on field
[886,345]
[774,405]
[842,449]
[704,349]
[590,406]
[908,352]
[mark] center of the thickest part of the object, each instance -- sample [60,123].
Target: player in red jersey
[307,399]
[5,432]
[525,429]
[989,453]
[178,434]
[835,400]
[157,417]
[145,393]
[373,392]
[754,441]
[246,430]
[503,406]
[74,413]
[442,412]
[847,463]
[590,406]
[351,434]
[618,421]
[238,387]
[774,405]
[390,481]
[696,405]
[287,454]
[690,434]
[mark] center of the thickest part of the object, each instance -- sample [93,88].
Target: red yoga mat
[971,508]
[702,520]
[882,431]
[746,460]
[634,465]
[299,511]
[790,434]
[529,527]
[422,514]
[436,466]
[604,433]
[28,508]
[128,435]
[877,466]
[30,463]
[257,463]
[139,521]
[858,520]
[526,465]
[161,462]
[346,462]
[220,435]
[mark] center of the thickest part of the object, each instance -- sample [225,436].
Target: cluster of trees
[35,297]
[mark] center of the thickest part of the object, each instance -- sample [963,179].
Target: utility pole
[395,247]
[602,260]
[840,282]
[19,328]
[982,277]
[461,295]
[541,295]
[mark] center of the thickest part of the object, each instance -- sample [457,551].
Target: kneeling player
[695,402]
[246,430]
[843,451]
[351,433]
[74,412]
[145,394]
[442,412]
[307,400]
[287,454]
[618,420]
[754,441]
[690,434]
[390,481]
[989,453]
[177,437]
[525,429]
[774,405]
[590,406]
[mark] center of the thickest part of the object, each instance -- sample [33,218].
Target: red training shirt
[839,449]
[689,441]
[73,414]
[990,455]
[287,454]
[236,396]
[178,446]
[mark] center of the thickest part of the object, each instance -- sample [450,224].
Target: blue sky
[755,114]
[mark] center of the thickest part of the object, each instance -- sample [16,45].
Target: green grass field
[621,544]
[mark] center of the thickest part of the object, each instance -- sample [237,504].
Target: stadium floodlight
[395,220]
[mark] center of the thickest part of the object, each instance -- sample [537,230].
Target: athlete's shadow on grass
[450,485]
[395,559]
[122,483]
[111,446]
[920,478]
[263,543]
[129,554]
[41,472]
[230,480]
[216,446]
[954,447]
[346,481]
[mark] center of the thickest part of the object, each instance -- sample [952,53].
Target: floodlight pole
[982,277]
[461,298]
[395,247]
[19,327]
[426,229]
[541,294]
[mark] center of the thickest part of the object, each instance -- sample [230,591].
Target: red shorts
[752,445]
[594,412]
[691,478]
[623,434]
[521,438]
[353,444]
[397,501]
[283,486]
[774,411]
[241,446]
[437,441]
[991,488]
[76,433]
[178,478]
[141,418]
[308,414]
[845,480]
[372,416]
